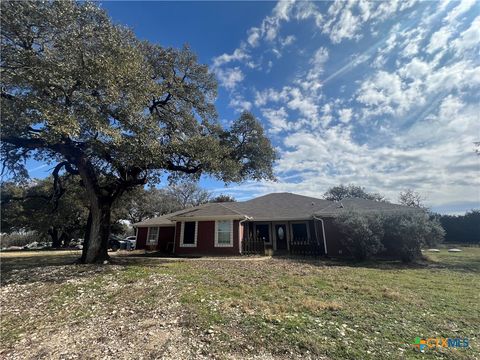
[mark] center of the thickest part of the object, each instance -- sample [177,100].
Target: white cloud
[320,57]
[469,39]
[270,26]
[345,115]
[270,95]
[410,122]
[346,27]
[347,18]
[277,119]
[305,105]
[434,158]
[289,40]
[439,39]
[385,93]
[459,10]
[229,77]
[254,36]
[415,69]
[240,104]
[238,55]
[389,93]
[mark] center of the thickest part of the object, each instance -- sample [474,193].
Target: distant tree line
[464,229]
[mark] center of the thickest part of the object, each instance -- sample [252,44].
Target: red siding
[141,237]
[206,241]
[166,235]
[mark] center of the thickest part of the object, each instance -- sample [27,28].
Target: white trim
[275,237]
[323,231]
[182,232]
[148,235]
[241,238]
[153,225]
[231,234]
[207,217]
[265,220]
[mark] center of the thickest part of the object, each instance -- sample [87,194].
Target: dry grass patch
[314,305]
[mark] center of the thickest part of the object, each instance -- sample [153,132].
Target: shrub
[18,239]
[405,233]
[400,234]
[361,234]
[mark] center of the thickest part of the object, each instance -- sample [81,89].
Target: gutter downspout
[240,240]
[323,231]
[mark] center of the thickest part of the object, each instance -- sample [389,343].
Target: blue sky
[380,94]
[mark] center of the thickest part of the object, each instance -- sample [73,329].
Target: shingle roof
[277,207]
[280,206]
[210,209]
[363,206]
[156,221]
[163,220]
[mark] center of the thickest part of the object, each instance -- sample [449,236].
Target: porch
[299,237]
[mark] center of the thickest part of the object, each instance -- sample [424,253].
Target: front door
[281,237]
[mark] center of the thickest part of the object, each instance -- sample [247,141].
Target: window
[223,233]
[262,232]
[189,234]
[300,231]
[152,238]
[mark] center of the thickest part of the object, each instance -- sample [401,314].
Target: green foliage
[77,87]
[462,228]
[187,194]
[84,93]
[32,207]
[340,192]
[406,233]
[223,198]
[398,234]
[411,198]
[18,239]
[361,234]
[13,216]
[139,204]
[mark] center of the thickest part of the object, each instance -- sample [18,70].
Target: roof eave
[208,218]
[152,224]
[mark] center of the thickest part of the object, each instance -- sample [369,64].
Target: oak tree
[87,95]
[340,192]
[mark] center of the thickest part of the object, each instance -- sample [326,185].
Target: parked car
[131,242]
[116,243]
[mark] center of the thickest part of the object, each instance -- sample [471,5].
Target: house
[282,222]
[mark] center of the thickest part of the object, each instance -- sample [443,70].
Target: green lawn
[280,308]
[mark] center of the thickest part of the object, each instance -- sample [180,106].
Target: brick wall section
[206,241]
[141,237]
[165,236]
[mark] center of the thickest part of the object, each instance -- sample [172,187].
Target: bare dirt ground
[54,309]
[235,308]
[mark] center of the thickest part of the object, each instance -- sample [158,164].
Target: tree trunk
[56,242]
[65,239]
[97,234]
[95,245]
